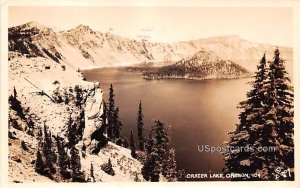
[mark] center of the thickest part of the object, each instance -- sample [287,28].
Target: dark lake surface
[197,112]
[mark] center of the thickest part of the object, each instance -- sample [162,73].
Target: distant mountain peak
[35,25]
[32,28]
[82,28]
[204,54]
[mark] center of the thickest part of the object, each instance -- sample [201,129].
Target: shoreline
[183,78]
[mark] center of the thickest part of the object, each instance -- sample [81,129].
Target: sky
[273,25]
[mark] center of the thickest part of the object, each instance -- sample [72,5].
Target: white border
[153,3]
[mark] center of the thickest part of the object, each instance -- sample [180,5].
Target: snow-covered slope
[42,86]
[34,39]
[85,48]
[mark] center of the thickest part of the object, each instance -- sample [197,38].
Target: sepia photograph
[150,93]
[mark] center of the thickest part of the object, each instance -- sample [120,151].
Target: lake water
[197,112]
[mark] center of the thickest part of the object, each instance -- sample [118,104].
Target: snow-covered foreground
[39,82]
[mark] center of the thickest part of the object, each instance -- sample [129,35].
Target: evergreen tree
[79,96]
[161,139]
[39,137]
[109,163]
[30,127]
[15,92]
[125,142]
[255,98]
[140,124]
[110,112]
[39,163]
[77,174]
[63,159]
[71,133]
[83,150]
[132,146]
[157,153]
[75,128]
[16,105]
[81,127]
[252,114]
[279,126]
[107,168]
[49,153]
[45,157]
[149,143]
[152,167]
[170,167]
[266,120]
[117,124]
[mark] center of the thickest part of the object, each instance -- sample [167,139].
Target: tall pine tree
[48,152]
[81,122]
[71,132]
[63,159]
[266,120]
[40,163]
[110,112]
[149,143]
[140,125]
[279,117]
[75,163]
[117,124]
[255,98]
[252,111]
[156,152]
[161,139]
